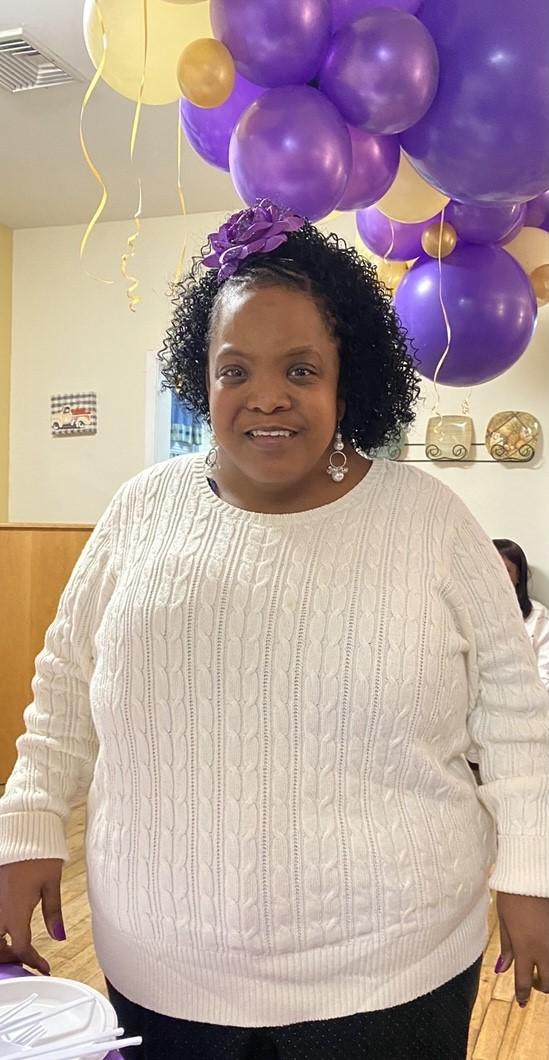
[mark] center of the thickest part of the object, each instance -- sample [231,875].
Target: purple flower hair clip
[259,229]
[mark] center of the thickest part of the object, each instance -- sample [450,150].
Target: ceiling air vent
[25,64]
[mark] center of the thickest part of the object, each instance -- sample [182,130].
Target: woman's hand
[22,886]
[524,934]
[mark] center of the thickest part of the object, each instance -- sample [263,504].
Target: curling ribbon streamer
[89,162]
[179,270]
[438,369]
[392,242]
[132,281]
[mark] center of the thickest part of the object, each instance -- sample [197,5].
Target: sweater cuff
[522,865]
[26,836]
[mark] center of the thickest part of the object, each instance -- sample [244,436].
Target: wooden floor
[499,1029]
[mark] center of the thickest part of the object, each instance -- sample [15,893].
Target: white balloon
[530,248]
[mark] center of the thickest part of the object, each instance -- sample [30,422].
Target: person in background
[264,674]
[535,615]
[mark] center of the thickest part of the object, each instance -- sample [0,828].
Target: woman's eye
[301,371]
[231,373]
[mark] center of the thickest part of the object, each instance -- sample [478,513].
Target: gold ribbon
[392,240]
[438,369]
[132,281]
[179,269]
[87,157]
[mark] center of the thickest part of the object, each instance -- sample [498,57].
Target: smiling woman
[302,340]
[267,669]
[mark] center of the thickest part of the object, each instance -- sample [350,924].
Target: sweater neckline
[331,508]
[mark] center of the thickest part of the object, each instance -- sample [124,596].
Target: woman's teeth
[271,434]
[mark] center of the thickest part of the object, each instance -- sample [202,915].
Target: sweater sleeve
[541,646]
[57,752]
[509,713]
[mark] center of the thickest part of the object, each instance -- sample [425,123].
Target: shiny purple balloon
[537,212]
[292,146]
[374,167]
[382,71]
[274,42]
[497,223]
[491,307]
[209,130]
[345,11]
[486,136]
[390,239]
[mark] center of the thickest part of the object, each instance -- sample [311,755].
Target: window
[188,433]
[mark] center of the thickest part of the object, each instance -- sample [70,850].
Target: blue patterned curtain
[188,433]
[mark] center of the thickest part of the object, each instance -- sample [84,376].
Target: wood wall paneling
[35,563]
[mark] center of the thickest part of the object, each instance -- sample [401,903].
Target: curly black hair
[378,379]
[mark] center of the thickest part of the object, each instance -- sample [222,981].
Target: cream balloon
[410,198]
[170,27]
[530,248]
[435,240]
[540,283]
[206,72]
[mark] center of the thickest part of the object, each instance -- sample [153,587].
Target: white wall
[71,332]
[508,500]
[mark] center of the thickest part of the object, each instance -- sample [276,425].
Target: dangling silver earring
[212,457]
[337,467]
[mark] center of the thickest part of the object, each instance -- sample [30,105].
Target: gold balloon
[540,283]
[410,198]
[530,248]
[170,27]
[389,273]
[206,72]
[433,238]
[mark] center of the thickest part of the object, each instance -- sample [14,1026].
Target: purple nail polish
[58,931]
[522,1004]
[499,964]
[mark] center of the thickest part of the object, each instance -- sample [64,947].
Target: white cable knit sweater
[271,714]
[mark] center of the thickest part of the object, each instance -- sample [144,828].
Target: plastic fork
[11,1012]
[41,1017]
[73,1051]
[27,1037]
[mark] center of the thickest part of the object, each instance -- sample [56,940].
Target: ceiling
[43,176]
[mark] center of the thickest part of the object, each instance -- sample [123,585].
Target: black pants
[433,1027]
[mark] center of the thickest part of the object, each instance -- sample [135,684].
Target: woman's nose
[268,398]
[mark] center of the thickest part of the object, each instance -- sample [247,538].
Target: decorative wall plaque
[512,436]
[73,414]
[448,437]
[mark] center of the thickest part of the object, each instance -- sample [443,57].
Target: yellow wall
[5,363]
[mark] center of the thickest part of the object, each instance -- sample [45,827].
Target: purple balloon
[537,212]
[486,136]
[293,147]
[345,11]
[382,71]
[209,130]
[374,167]
[274,42]
[390,239]
[491,307]
[498,223]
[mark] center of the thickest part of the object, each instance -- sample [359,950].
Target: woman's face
[512,570]
[273,371]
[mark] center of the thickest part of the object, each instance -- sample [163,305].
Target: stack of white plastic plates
[58,1019]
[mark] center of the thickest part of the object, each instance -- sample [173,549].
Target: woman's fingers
[22,950]
[524,978]
[505,958]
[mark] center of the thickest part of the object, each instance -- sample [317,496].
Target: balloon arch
[430,118]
